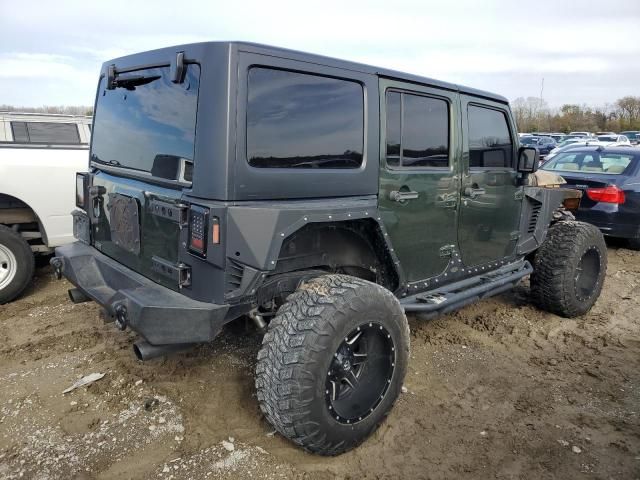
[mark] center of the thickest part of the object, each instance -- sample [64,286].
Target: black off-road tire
[299,348]
[569,269]
[21,263]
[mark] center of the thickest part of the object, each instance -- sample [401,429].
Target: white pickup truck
[39,157]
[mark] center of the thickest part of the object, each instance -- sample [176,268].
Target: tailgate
[137,224]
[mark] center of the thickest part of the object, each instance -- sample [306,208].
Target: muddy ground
[496,390]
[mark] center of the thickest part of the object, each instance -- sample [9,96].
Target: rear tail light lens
[80,188]
[198,230]
[215,230]
[610,194]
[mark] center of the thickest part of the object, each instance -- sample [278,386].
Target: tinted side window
[45,132]
[42,132]
[20,133]
[394,116]
[297,120]
[490,143]
[418,127]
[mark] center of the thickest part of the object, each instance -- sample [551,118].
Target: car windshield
[607,138]
[590,162]
[529,140]
[631,135]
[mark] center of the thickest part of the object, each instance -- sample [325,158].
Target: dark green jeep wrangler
[323,199]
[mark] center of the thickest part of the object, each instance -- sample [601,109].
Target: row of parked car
[550,144]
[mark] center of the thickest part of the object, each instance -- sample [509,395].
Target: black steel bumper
[159,314]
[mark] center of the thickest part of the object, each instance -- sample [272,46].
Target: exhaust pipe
[145,351]
[77,296]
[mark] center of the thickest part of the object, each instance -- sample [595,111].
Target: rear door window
[490,142]
[417,131]
[45,133]
[298,120]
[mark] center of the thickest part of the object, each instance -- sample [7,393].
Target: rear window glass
[148,123]
[297,120]
[490,144]
[590,162]
[45,132]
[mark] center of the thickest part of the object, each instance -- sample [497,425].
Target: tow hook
[57,264]
[121,317]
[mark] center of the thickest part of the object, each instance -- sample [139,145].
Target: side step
[447,298]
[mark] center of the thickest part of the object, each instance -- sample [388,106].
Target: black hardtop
[200,51]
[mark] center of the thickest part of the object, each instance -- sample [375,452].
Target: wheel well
[16,214]
[354,247]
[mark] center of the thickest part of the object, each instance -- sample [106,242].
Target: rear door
[419,184]
[491,195]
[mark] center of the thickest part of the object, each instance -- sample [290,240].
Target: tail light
[610,194]
[198,228]
[215,230]
[80,188]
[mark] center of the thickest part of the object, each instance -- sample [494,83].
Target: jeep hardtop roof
[203,49]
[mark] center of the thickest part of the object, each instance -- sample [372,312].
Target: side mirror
[527,160]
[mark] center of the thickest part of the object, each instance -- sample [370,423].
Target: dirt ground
[496,390]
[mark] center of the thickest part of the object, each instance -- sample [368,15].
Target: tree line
[57,109]
[534,115]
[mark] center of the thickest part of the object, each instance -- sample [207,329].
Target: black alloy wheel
[360,373]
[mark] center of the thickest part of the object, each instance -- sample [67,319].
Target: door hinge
[177,213]
[515,235]
[519,195]
[179,273]
[447,250]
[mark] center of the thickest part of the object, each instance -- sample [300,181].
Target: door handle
[472,192]
[402,196]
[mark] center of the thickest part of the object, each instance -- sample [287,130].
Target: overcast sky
[586,51]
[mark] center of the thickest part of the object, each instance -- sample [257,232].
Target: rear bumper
[609,228]
[159,314]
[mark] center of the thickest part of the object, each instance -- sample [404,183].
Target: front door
[419,184]
[491,194]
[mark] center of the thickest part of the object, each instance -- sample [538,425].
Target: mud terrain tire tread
[292,361]
[25,263]
[553,280]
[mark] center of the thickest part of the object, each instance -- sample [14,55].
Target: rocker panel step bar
[456,295]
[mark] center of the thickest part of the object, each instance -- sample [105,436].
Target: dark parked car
[543,144]
[610,180]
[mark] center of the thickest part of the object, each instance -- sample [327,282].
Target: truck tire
[332,363]
[16,264]
[569,269]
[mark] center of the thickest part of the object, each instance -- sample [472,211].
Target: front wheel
[569,269]
[332,363]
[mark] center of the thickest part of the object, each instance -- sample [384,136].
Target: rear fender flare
[255,234]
